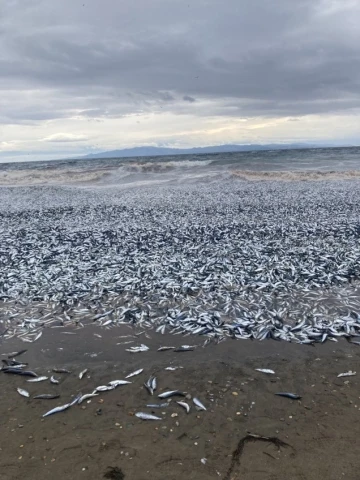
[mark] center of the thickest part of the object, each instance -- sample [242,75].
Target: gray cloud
[246,58]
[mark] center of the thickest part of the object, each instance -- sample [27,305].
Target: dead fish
[172,369]
[164,349]
[56,410]
[86,396]
[184,348]
[171,393]
[347,374]
[18,371]
[185,405]
[14,363]
[38,336]
[61,370]
[137,372]
[147,416]
[81,374]
[23,392]
[150,385]
[116,383]
[198,404]
[104,388]
[63,407]
[46,396]
[16,354]
[293,396]
[102,315]
[158,405]
[265,370]
[53,380]
[142,348]
[38,379]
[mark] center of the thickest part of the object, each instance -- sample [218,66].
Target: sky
[83,76]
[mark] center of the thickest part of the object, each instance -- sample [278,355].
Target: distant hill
[155,151]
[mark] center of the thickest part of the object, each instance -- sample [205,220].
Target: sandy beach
[183,257]
[321,429]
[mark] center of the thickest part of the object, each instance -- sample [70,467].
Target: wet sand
[322,429]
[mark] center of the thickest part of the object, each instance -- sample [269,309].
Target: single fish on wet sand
[37,379]
[23,392]
[293,396]
[185,405]
[171,393]
[81,374]
[347,374]
[61,370]
[18,371]
[133,374]
[198,404]
[146,416]
[265,370]
[86,397]
[46,396]
[157,405]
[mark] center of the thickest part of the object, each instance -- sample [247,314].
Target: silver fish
[37,379]
[198,404]
[81,374]
[184,348]
[150,384]
[38,336]
[265,370]
[171,393]
[158,405]
[56,410]
[53,380]
[142,348]
[147,416]
[16,354]
[104,388]
[293,396]
[86,396]
[116,383]
[137,372]
[23,392]
[61,370]
[347,374]
[164,349]
[184,405]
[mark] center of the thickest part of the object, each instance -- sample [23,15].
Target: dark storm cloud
[114,58]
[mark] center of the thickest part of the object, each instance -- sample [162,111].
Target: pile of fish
[231,259]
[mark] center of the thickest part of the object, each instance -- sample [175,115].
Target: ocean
[282,164]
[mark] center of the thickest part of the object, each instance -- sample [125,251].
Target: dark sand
[322,429]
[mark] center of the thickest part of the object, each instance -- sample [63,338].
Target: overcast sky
[78,76]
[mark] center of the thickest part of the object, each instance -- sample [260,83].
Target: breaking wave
[309,175]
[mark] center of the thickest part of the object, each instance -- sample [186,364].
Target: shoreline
[238,399]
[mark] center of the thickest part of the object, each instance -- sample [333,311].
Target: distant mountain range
[155,151]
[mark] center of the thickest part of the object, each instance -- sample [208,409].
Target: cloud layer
[68,67]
